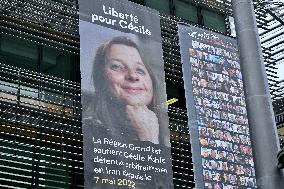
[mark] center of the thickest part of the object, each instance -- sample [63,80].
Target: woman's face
[128,78]
[203,83]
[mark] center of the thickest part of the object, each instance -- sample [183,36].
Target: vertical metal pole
[264,137]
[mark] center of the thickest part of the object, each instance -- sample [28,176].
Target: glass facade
[190,11]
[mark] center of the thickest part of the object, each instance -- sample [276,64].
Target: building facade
[40,131]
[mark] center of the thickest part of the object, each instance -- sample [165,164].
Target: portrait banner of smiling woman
[126,140]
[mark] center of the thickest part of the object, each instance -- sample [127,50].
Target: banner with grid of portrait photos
[218,124]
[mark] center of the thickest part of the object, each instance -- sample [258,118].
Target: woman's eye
[116,67]
[140,71]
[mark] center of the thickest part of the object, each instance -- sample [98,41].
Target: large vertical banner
[124,117]
[220,138]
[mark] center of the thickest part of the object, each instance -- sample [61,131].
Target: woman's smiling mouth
[132,90]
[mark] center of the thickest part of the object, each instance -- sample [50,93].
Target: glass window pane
[19,52]
[57,63]
[184,9]
[160,5]
[214,20]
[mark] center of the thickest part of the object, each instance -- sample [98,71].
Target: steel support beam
[264,137]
